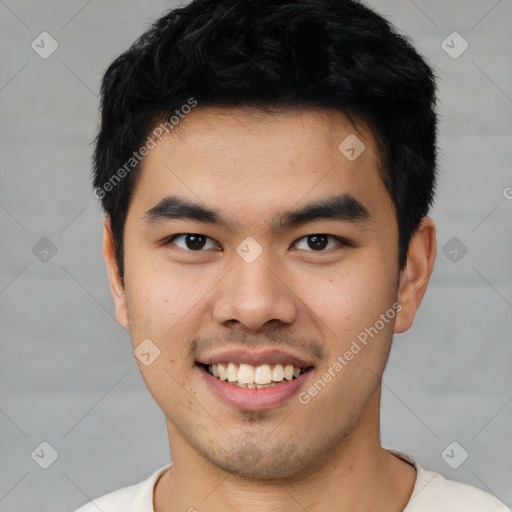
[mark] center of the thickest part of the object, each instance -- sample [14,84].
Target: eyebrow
[344,207]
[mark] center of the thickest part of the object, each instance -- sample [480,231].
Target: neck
[339,480]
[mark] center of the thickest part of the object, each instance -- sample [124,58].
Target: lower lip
[254,399]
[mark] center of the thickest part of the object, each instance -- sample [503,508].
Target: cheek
[167,305]
[161,308]
[348,300]
[349,306]
[162,290]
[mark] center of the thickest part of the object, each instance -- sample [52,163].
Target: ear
[415,276]
[116,283]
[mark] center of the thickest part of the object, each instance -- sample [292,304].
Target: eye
[319,242]
[192,242]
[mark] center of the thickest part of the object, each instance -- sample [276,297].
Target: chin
[263,461]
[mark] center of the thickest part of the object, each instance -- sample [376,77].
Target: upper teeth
[249,376]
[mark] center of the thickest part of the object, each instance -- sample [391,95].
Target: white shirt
[431,493]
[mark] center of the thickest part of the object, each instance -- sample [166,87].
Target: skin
[325,455]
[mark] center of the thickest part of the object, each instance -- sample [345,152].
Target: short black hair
[272,54]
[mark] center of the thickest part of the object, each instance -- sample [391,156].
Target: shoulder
[434,492]
[438,493]
[114,501]
[137,497]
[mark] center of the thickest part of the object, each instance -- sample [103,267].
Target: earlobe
[415,276]
[116,284]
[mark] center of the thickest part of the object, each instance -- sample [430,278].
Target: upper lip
[272,356]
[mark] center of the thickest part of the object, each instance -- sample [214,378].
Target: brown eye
[318,242]
[191,241]
[195,242]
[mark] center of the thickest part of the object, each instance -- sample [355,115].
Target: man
[266,168]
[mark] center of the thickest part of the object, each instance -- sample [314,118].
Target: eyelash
[342,242]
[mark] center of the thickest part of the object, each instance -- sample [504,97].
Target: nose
[254,294]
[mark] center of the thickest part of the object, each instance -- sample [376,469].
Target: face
[252,241]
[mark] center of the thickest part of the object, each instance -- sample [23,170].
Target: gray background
[68,376]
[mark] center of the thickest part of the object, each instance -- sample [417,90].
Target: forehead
[246,162]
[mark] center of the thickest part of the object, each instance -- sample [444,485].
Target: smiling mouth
[254,377]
